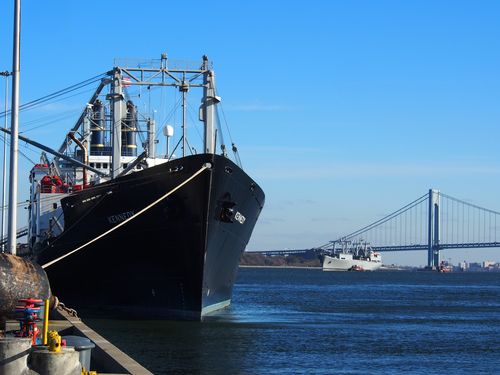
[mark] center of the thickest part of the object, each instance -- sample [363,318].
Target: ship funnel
[129,131]
[97,129]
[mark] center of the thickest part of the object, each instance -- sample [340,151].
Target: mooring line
[205,166]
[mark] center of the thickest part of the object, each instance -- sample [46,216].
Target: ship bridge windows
[99,165]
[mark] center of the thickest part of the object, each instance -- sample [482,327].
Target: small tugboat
[356,268]
[129,231]
[444,267]
[347,256]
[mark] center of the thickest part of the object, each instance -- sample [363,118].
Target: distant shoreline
[382,269]
[301,267]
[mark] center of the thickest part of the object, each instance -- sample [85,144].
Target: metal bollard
[64,362]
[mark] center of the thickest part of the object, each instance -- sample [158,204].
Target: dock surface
[106,358]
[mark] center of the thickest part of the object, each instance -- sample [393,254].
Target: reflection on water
[217,345]
[286,321]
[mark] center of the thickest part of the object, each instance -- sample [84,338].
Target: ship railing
[134,62]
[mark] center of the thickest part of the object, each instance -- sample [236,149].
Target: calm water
[297,321]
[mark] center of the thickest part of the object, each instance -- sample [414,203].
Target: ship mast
[12,219]
[209,102]
[116,100]
[184,88]
[183,80]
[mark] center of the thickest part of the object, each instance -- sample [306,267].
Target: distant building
[488,264]
[475,266]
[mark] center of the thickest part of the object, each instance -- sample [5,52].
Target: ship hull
[176,260]
[336,264]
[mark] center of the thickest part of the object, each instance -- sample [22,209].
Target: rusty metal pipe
[21,278]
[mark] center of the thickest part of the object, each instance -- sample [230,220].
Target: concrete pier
[106,358]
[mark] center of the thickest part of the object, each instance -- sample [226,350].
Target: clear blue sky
[343,111]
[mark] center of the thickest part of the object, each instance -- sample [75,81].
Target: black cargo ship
[155,237]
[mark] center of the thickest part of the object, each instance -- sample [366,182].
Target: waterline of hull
[335,264]
[216,306]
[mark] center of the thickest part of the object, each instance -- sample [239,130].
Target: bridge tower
[433,229]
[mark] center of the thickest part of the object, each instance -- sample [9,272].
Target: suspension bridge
[433,222]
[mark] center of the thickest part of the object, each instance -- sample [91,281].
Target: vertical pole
[430,257]
[209,101]
[151,138]
[433,229]
[167,155]
[12,221]
[184,89]
[86,126]
[116,126]
[45,322]
[437,231]
[4,179]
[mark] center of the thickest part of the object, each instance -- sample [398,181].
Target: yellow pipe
[45,322]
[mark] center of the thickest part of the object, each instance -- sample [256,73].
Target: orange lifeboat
[51,184]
